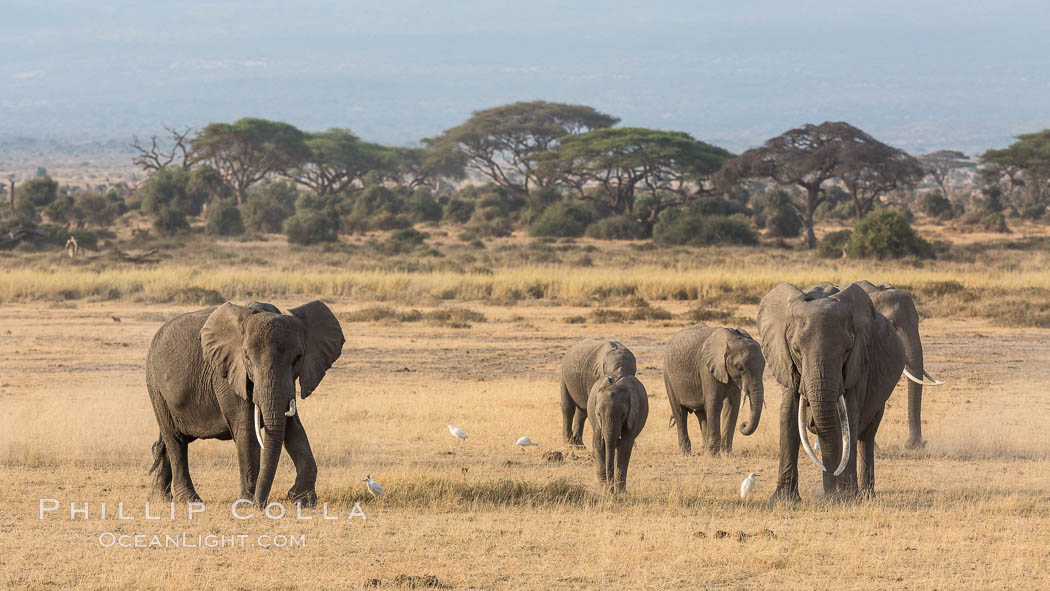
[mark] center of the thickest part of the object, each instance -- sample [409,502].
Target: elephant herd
[229,372]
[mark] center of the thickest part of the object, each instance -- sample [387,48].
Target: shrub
[423,207]
[995,222]
[834,244]
[224,219]
[403,241]
[310,227]
[562,219]
[458,210]
[684,227]
[781,219]
[170,221]
[883,234]
[617,227]
[100,210]
[933,204]
[171,189]
[266,209]
[1032,212]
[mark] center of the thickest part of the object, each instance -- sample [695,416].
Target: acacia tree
[870,168]
[156,156]
[337,159]
[248,150]
[1024,164]
[418,166]
[939,166]
[621,160]
[498,143]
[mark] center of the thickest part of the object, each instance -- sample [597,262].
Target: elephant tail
[159,451]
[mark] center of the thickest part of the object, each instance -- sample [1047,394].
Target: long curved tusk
[935,381]
[922,382]
[291,408]
[805,436]
[258,421]
[844,420]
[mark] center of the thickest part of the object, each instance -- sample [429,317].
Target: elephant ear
[323,341]
[863,314]
[713,354]
[221,341]
[888,357]
[634,412]
[773,320]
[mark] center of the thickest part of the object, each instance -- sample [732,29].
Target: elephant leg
[298,446]
[162,479]
[787,479]
[866,457]
[577,426]
[178,455]
[701,420]
[247,459]
[598,450]
[623,458]
[730,412]
[713,435]
[568,410]
[680,415]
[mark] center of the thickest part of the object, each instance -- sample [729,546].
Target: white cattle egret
[747,485]
[457,432]
[816,444]
[525,442]
[373,487]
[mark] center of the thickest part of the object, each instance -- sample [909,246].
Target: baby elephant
[585,364]
[618,406]
[705,370]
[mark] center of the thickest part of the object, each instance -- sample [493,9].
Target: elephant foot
[187,497]
[784,495]
[915,444]
[575,441]
[307,498]
[164,495]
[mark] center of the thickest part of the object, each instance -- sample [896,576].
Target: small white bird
[457,432]
[373,487]
[747,485]
[525,442]
[816,444]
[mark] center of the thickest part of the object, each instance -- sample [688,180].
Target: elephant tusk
[805,436]
[934,382]
[291,408]
[844,420]
[258,421]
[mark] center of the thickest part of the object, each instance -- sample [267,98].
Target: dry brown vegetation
[970,511]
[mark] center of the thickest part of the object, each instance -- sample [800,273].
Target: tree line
[556,169]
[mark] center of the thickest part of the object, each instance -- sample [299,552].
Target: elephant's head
[821,346]
[261,354]
[732,355]
[618,361]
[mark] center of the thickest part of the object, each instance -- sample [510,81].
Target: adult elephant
[899,308]
[838,360]
[584,364]
[224,372]
[705,371]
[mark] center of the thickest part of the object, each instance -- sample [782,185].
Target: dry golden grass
[970,511]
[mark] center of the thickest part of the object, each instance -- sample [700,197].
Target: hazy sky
[921,75]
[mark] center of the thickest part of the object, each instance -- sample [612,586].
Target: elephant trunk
[756,398]
[274,424]
[611,435]
[913,355]
[831,419]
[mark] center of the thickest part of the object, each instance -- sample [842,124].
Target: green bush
[680,227]
[833,245]
[884,234]
[170,221]
[1033,212]
[171,189]
[458,211]
[421,206]
[562,219]
[224,219]
[98,210]
[933,204]
[781,219]
[995,222]
[266,209]
[617,227]
[310,227]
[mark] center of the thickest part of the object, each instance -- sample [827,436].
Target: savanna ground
[474,338]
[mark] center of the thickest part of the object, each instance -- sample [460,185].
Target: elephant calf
[584,364]
[704,369]
[619,407]
[226,372]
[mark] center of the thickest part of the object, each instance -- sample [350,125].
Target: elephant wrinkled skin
[829,353]
[705,371]
[584,364]
[209,372]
